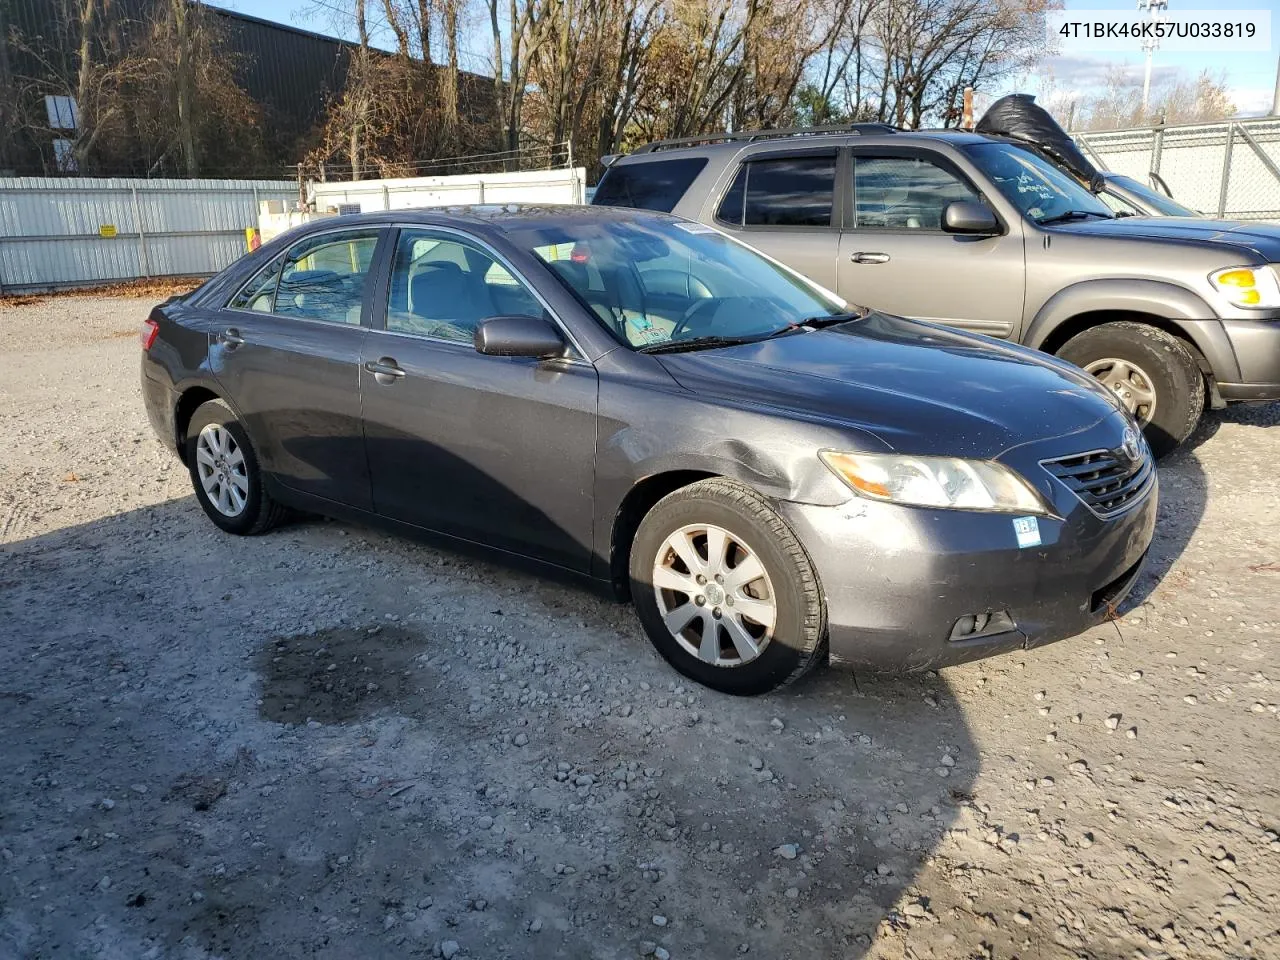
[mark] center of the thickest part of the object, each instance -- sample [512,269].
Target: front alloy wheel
[725,590]
[714,595]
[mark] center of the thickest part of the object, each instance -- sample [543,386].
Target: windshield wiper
[1074,215]
[828,320]
[697,343]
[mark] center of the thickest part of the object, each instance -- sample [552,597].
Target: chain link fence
[1229,169]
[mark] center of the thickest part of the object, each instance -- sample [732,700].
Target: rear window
[654,185]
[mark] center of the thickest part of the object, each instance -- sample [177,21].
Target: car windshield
[654,282]
[1152,198]
[1034,185]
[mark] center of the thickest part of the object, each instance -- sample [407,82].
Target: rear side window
[781,192]
[653,185]
[324,277]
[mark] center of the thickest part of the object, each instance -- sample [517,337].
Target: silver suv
[981,233]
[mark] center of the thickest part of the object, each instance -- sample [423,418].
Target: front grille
[1107,481]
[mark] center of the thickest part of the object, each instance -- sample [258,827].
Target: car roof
[669,150]
[494,217]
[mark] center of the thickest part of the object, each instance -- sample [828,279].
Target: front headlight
[1247,286]
[948,482]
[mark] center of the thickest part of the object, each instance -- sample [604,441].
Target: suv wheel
[725,591]
[225,473]
[1151,372]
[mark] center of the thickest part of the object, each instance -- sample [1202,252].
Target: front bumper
[1256,344]
[897,580]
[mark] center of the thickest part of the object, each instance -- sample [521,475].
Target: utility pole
[1275,97]
[1150,44]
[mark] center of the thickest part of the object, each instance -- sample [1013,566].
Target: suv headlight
[1247,286]
[948,482]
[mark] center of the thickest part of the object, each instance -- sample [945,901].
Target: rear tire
[727,641]
[1161,361]
[225,473]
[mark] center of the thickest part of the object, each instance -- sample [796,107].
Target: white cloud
[1251,101]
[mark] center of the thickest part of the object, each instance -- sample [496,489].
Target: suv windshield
[1034,185]
[1157,201]
[653,281]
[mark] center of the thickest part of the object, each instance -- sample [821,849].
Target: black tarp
[1019,117]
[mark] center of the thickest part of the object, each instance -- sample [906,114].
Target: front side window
[323,277]
[443,287]
[648,185]
[903,193]
[781,192]
[653,280]
[1040,190]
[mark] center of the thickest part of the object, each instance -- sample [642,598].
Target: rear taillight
[147,335]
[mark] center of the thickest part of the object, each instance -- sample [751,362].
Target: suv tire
[751,616]
[1157,357]
[225,473]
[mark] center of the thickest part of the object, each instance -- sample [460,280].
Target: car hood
[1261,238]
[917,386]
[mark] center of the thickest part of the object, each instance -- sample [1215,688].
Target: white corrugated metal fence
[566,185]
[67,232]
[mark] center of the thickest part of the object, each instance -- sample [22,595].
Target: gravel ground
[333,743]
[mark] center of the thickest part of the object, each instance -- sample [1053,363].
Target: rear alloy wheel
[225,474]
[1150,371]
[725,591]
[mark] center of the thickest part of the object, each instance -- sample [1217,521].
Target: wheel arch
[637,502]
[1180,312]
[189,401]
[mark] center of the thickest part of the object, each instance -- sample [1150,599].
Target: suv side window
[781,192]
[652,185]
[443,287]
[903,193]
[324,277]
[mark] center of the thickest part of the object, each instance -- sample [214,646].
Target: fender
[1185,310]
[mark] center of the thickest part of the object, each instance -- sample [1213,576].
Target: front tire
[225,473]
[1152,373]
[725,591]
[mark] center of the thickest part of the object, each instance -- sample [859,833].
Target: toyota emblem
[1130,444]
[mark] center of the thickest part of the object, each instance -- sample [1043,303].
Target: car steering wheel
[684,322]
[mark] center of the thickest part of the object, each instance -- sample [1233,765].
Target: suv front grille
[1108,481]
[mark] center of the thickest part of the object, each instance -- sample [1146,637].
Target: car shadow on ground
[334,742]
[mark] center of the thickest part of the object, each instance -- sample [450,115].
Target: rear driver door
[286,348]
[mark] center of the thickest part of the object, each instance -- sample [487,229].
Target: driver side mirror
[969,217]
[518,336]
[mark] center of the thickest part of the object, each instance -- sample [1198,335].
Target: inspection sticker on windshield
[696,228]
[1027,530]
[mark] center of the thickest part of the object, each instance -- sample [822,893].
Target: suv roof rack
[753,135]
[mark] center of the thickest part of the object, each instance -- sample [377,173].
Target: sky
[1250,76]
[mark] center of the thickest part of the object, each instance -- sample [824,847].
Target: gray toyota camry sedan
[768,473]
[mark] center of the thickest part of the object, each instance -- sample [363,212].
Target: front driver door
[895,256]
[497,450]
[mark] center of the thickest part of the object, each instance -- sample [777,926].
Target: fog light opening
[986,624]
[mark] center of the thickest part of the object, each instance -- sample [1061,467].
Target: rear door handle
[231,337]
[861,257]
[385,370]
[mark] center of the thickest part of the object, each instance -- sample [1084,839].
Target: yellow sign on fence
[107,230]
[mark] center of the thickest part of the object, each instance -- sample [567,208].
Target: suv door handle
[385,370]
[231,337]
[861,257]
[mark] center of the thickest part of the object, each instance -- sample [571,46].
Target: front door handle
[861,257]
[231,337]
[385,370]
